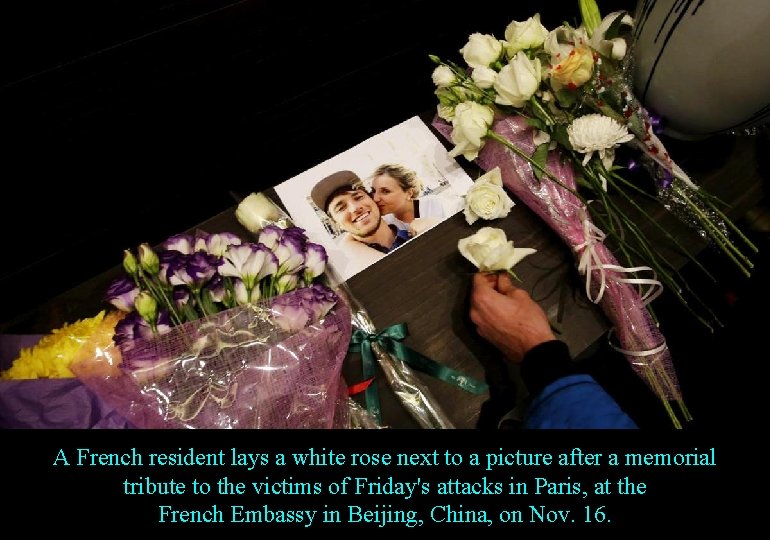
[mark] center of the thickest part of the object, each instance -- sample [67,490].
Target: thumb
[483,280]
[505,283]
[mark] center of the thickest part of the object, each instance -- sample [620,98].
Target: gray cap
[325,187]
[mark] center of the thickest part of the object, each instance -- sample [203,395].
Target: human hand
[506,315]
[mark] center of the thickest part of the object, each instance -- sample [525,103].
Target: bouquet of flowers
[226,333]
[550,108]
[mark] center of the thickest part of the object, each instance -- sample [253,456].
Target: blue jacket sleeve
[564,400]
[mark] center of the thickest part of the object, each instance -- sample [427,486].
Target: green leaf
[189,312]
[208,303]
[614,30]
[560,136]
[539,157]
[566,98]
[589,12]
[536,123]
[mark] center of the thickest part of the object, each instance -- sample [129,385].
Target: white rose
[484,77]
[486,199]
[470,125]
[443,76]
[256,211]
[524,35]
[490,251]
[517,81]
[481,50]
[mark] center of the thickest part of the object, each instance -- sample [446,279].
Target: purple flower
[270,235]
[249,262]
[194,271]
[181,296]
[183,243]
[121,293]
[217,243]
[290,252]
[292,311]
[315,261]
[167,259]
[216,288]
[133,326]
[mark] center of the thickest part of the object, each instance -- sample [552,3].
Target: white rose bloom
[470,125]
[481,50]
[443,77]
[484,77]
[256,211]
[486,198]
[524,35]
[597,133]
[517,81]
[490,251]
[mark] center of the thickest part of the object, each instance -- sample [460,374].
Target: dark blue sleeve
[576,402]
[563,399]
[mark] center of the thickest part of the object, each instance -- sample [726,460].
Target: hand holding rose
[506,316]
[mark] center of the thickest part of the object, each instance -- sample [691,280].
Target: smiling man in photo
[344,199]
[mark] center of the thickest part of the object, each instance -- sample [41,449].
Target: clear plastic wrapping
[272,364]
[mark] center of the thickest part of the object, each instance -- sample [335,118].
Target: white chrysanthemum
[597,133]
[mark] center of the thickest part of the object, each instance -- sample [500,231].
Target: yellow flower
[53,354]
[575,70]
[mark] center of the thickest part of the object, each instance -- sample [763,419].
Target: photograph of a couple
[373,198]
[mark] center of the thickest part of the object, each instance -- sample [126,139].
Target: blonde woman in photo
[396,191]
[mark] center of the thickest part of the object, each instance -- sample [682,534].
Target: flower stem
[519,152]
[158,292]
[719,238]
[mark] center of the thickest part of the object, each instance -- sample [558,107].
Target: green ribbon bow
[390,340]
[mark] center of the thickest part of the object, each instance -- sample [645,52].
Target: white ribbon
[636,354]
[590,261]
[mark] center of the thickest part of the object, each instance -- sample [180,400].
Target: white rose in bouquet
[518,81]
[524,35]
[482,50]
[470,125]
[484,77]
[443,77]
[486,199]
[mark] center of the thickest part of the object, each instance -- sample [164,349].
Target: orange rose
[575,70]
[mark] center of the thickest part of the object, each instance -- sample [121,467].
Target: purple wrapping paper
[49,403]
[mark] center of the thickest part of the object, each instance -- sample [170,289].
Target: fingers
[484,280]
[505,283]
